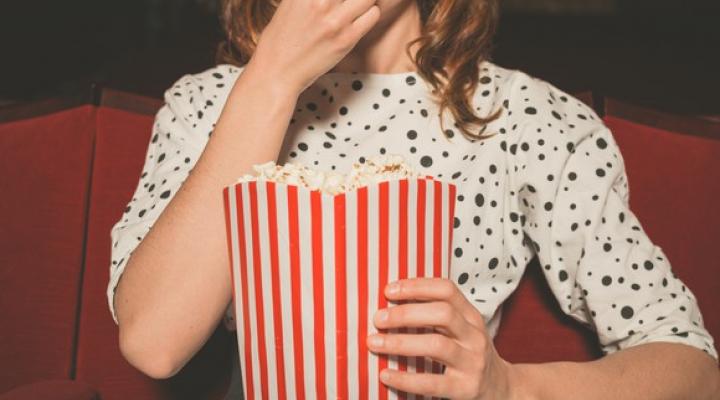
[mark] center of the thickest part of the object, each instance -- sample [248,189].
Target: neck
[377,51]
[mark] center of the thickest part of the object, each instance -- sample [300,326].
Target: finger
[349,10]
[364,23]
[437,314]
[429,385]
[439,289]
[432,345]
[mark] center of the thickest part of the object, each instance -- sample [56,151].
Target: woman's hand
[306,38]
[473,368]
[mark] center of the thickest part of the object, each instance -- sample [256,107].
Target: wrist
[279,83]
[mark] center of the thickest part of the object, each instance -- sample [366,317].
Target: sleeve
[180,131]
[603,269]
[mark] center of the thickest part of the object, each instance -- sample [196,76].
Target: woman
[538,174]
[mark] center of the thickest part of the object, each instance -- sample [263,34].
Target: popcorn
[375,169]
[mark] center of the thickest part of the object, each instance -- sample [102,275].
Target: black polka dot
[563,275]
[479,199]
[463,278]
[357,85]
[627,312]
[493,263]
[426,161]
[530,111]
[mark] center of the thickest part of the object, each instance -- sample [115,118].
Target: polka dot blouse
[551,183]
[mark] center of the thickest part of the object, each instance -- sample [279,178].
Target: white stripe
[352,294]
[429,246]
[373,207]
[328,238]
[446,250]
[266,281]
[285,287]
[251,289]
[306,283]
[237,287]
[393,262]
[412,248]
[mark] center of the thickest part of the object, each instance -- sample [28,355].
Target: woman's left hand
[473,368]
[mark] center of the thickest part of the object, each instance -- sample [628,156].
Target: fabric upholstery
[44,177]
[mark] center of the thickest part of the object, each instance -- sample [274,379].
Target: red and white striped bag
[308,272]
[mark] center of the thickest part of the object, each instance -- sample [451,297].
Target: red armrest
[56,389]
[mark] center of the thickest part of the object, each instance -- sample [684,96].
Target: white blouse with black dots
[550,183]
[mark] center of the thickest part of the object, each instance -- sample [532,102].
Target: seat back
[45,162]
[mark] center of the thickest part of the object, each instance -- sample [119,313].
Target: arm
[602,267]
[177,283]
[648,371]
[180,268]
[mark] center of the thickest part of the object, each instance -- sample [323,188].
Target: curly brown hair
[452,45]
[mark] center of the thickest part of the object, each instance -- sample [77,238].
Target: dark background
[662,54]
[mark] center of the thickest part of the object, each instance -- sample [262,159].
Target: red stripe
[383,249]
[248,367]
[228,235]
[295,289]
[403,258]
[340,298]
[362,211]
[318,292]
[277,308]
[420,361]
[258,290]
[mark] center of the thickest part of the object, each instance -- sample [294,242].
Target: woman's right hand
[306,38]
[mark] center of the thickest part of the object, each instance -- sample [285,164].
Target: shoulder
[197,98]
[536,110]
[528,97]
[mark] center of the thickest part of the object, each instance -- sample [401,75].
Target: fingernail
[382,315]
[393,288]
[376,341]
[384,375]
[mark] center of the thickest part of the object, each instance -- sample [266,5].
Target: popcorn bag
[309,268]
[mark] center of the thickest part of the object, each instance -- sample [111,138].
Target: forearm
[177,283]
[650,371]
